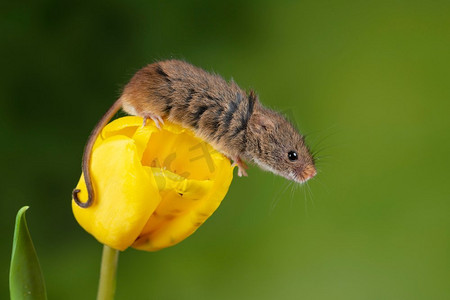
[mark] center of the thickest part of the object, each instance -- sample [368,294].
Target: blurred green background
[368,81]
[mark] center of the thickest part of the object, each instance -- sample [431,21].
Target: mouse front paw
[241,166]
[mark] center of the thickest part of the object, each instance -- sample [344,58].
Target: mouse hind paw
[157,119]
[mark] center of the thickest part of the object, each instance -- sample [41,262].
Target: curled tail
[88,153]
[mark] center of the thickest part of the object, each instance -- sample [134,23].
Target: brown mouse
[220,112]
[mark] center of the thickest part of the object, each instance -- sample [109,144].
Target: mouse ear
[262,122]
[252,98]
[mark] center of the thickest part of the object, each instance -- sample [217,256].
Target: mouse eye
[292,155]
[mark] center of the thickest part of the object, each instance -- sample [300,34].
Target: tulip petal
[177,218]
[123,126]
[126,194]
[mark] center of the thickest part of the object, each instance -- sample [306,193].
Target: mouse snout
[307,173]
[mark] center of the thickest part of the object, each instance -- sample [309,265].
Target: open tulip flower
[154,187]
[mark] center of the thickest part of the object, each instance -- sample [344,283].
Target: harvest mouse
[234,122]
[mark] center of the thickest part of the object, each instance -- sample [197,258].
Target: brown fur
[193,98]
[221,113]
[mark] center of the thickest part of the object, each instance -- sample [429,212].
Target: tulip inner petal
[193,160]
[192,179]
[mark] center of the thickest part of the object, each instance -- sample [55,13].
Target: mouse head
[275,145]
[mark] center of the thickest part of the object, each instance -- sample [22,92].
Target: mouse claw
[242,172]
[241,167]
[157,119]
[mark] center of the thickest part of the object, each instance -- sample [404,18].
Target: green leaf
[25,275]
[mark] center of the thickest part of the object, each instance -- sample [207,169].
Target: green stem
[107,284]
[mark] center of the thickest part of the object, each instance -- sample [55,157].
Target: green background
[368,81]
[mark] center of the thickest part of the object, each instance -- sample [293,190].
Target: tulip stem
[107,284]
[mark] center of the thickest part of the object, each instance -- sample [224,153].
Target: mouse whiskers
[294,186]
[317,143]
[277,198]
[321,160]
[310,193]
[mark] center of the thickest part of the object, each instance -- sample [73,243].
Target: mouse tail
[88,153]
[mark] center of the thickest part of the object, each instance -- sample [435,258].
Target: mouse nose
[308,172]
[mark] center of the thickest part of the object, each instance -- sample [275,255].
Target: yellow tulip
[154,187]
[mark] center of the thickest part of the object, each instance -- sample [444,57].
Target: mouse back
[216,110]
